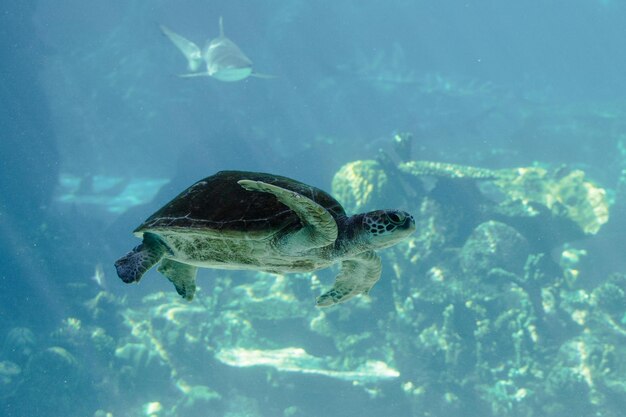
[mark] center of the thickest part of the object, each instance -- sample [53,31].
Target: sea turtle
[250,220]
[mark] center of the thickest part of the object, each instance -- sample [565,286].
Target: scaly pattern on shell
[219,203]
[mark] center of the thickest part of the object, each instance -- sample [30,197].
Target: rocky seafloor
[482,312]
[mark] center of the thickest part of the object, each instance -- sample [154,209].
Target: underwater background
[501,126]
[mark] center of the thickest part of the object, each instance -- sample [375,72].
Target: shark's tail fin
[194,74]
[221,27]
[188,48]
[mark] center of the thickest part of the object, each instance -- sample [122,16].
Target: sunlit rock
[152,409]
[360,185]
[299,361]
[570,195]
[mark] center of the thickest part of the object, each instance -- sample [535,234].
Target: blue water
[98,131]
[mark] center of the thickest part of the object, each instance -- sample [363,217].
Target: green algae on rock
[446,170]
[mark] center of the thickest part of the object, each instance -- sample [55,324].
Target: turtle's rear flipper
[135,263]
[183,277]
[358,275]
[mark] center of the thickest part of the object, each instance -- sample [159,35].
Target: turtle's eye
[396,218]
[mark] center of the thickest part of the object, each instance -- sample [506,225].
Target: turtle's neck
[350,237]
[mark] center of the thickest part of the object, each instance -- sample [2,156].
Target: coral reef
[474,317]
[566,194]
[358,184]
[486,305]
[550,207]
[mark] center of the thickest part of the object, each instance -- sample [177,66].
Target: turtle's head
[384,228]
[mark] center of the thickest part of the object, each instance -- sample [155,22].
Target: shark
[225,61]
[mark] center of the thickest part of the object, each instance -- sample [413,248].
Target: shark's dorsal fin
[221,27]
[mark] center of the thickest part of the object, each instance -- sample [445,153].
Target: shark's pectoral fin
[261,75]
[191,51]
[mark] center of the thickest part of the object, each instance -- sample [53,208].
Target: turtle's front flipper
[358,275]
[319,227]
[135,263]
[183,277]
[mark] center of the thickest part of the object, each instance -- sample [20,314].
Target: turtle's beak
[401,220]
[409,224]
